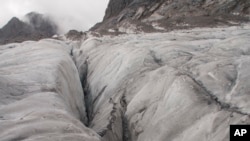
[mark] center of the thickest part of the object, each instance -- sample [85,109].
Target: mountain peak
[36,26]
[13,23]
[14,19]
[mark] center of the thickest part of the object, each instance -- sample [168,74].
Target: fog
[69,14]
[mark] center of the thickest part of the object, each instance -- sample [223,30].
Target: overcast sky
[71,14]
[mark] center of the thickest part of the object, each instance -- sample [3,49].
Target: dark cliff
[35,27]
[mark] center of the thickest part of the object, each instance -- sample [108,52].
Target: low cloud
[69,14]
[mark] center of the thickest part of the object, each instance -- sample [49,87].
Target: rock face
[75,35]
[41,97]
[186,85]
[35,27]
[165,15]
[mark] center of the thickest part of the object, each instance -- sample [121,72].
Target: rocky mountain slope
[35,27]
[183,85]
[131,16]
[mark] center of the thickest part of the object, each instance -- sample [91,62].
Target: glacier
[181,85]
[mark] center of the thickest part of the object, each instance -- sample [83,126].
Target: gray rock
[167,15]
[35,27]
